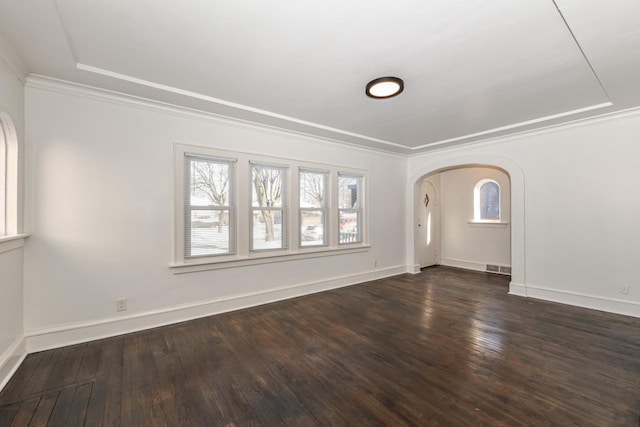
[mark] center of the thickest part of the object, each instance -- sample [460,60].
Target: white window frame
[357,210]
[283,208]
[230,207]
[477,200]
[244,254]
[325,209]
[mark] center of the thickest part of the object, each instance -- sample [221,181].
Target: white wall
[102,172]
[473,245]
[11,252]
[575,209]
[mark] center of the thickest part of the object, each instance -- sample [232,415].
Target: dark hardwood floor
[444,347]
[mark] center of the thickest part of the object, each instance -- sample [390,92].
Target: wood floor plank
[44,410]
[62,408]
[445,347]
[79,404]
[26,412]
[8,413]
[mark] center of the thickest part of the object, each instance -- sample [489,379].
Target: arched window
[486,201]
[8,176]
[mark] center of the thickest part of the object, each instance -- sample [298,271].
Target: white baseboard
[518,289]
[467,265]
[413,269]
[595,302]
[69,334]
[11,360]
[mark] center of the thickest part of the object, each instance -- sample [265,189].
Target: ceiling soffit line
[218,101]
[65,32]
[213,100]
[582,52]
[515,125]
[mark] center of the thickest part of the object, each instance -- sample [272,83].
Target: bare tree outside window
[313,187]
[210,231]
[210,181]
[268,191]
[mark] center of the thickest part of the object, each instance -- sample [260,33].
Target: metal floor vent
[499,269]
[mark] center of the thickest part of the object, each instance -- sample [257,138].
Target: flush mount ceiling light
[384,87]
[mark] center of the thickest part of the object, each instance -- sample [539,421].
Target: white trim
[9,243]
[11,360]
[584,121]
[490,224]
[467,265]
[519,289]
[219,101]
[264,257]
[413,269]
[515,125]
[63,335]
[579,299]
[92,92]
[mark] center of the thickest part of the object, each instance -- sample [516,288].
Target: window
[349,212]
[3,181]
[233,209]
[210,224]
[313,208]
[8,177]
[486,197]
[268,207]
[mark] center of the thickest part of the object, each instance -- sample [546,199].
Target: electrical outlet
[121,304]
[625,289]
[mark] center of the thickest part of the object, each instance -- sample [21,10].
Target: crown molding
[583,121]
[51,84]
[114,97]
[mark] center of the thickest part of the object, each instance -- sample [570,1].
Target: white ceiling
[473,69]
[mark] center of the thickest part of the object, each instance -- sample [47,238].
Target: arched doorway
[420,169]
[467,222]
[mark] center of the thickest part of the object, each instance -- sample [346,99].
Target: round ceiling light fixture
[384,87]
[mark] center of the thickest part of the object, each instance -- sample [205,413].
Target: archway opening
[509,223]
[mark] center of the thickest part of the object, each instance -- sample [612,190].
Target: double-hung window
[350,208]
[236,209]
[268,207]
[313,207]
[209,207]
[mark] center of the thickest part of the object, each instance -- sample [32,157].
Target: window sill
[489,224]
[9,243]
[202,265]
